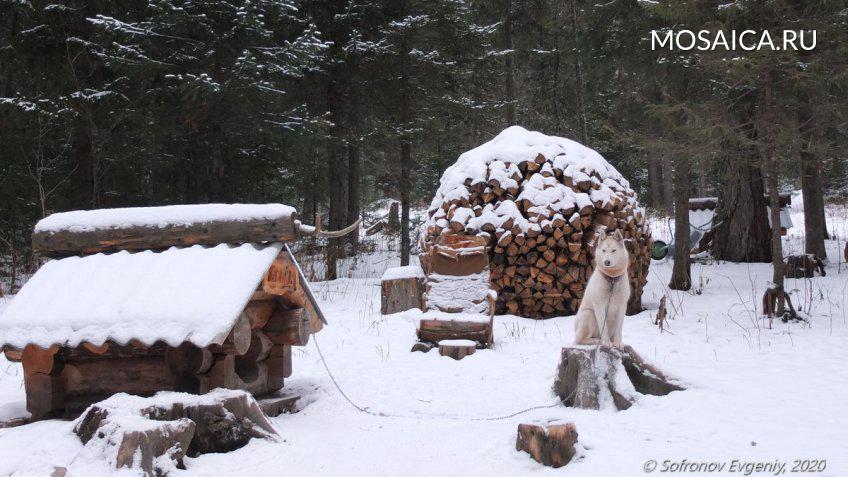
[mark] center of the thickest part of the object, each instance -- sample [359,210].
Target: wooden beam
[82,242]
[289,327]
[292,293]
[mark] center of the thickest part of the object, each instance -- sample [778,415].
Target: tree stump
[422,346]
[457,349]
[591,377]
[402,288]
[803,266]
[275,405]
[549,445]
[137,432]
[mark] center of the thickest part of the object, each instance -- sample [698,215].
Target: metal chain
[368,411]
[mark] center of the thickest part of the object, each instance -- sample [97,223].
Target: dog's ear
[618,237]
[602,235]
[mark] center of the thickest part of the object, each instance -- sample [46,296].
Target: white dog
[601,313]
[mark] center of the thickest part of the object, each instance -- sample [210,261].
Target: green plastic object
[659,250]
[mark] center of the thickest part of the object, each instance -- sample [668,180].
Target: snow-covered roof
[169,215]
[191,294]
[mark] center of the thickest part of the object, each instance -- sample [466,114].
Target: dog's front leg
[616,338]
[603,325]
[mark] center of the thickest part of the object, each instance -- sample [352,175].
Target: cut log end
[422,346]
[457,349]
[401,294]
[549,445]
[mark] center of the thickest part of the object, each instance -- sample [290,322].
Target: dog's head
[611,255]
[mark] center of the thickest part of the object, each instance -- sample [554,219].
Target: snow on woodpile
[181,294]
[457,294]
[539,200]
[165,216]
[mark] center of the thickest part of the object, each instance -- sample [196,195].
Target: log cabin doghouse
[539,201]
[187,298]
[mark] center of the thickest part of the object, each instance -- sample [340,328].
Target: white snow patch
[457,343]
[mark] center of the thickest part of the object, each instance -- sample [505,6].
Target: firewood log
[457,349]
[551,445]
[84,241]
[288,327]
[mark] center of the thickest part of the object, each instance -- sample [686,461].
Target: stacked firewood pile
[540,201]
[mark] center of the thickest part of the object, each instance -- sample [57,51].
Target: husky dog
[601,313]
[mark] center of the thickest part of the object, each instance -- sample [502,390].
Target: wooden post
[45,388]
[279,366]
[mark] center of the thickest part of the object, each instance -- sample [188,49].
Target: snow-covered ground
[754,394]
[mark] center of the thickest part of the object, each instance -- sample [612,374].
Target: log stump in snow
[596,377]
[549,445]
[457,349]
[138,432]
[402,288]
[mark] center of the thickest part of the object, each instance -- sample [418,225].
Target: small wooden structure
[702,210]
[459,302]
[186,298]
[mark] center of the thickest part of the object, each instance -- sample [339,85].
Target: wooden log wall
[541,269]
[256,357]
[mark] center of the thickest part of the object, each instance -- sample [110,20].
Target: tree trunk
[353,191]
[405,151]
[509,67]
[771,161]
[667,185]
[354,129]
[703,169]
[680,274]
[96,154]
[815,228]
[578,75]
[338,207]
[741,224]
[655,177]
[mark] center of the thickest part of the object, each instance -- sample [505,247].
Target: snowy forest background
[332,105]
